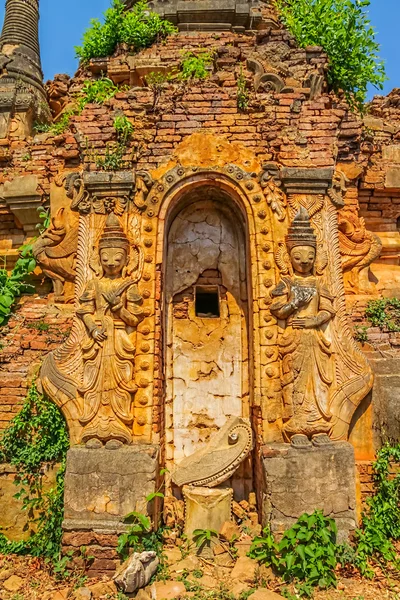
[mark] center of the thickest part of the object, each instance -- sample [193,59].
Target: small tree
[344,31]
[138,28]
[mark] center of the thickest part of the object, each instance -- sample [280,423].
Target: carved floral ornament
[103,376]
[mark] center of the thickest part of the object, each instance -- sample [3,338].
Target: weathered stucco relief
[219,227]
[206,330]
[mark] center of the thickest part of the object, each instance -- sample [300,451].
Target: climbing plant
[37,438]
[16,283]
[380,527]
[344,31]
[137,28]
[305,555]
[384,313]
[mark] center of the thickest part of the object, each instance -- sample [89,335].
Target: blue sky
[63,22]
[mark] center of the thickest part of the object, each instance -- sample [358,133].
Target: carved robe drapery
[306,355]
[108,378]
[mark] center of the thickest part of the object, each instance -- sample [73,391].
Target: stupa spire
[21,76]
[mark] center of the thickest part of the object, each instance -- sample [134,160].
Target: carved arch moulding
[107,378]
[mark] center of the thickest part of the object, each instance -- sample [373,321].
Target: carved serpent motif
[217,461]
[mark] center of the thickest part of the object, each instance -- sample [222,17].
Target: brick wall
[36,328]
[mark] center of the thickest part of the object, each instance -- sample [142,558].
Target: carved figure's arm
[282,307]
[86,311]
[322,317]
[132,314]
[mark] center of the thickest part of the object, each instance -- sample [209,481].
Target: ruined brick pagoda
[207,284]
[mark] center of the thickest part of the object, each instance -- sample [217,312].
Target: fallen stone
[6,574]
[208,582]
[224,560]
[245,569]
[82,594]
[190,563]
[142,595]
[264,594]
[13,583]
[57,595]
[167,591]
[229,531]
[136,571]
[243,547]
[172,555]
[239,588]
[265,572]
[102,589]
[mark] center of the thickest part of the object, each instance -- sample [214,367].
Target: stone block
[300,481]
[392,179]
[104,485]
[206,508]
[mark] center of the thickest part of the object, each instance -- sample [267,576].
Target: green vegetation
[344,31]
[306,554]
[384,313]
[13,285]
[36,438]
[242,92]
[374,541]
[361,333]
[194,66]
[95,91]
[113,160]
[138,28]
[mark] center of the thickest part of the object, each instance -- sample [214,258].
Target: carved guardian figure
[55,252]
[110,308]
[307,366]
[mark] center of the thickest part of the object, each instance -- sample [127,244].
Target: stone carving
[338,190]
[271,184]
[92,376]
[110,308]
[55,252]
[358,247]
[307,367]
[136,571]
[264,82]
[218,460]
[144,182]
[22,96]
[206,508]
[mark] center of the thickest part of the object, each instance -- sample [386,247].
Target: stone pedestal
[101,487]
[303,480]
[206,508]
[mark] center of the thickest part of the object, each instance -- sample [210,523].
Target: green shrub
[96,91]
[14,284]
[384,313]
[194,66]
[242,95]
[36,436]
[138,28]
[344,31]
[306,552]
[380,525]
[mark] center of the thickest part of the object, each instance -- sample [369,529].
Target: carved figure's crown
[113,235]
[300,232]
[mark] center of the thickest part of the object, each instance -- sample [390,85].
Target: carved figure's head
[302,259]
[113,247]
[302,243]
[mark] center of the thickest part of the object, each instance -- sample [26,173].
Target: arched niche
[206,323]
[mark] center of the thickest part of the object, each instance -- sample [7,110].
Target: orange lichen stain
[207,150]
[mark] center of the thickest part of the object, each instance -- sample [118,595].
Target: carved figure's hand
[99,335]
[305,323]
[114,301]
